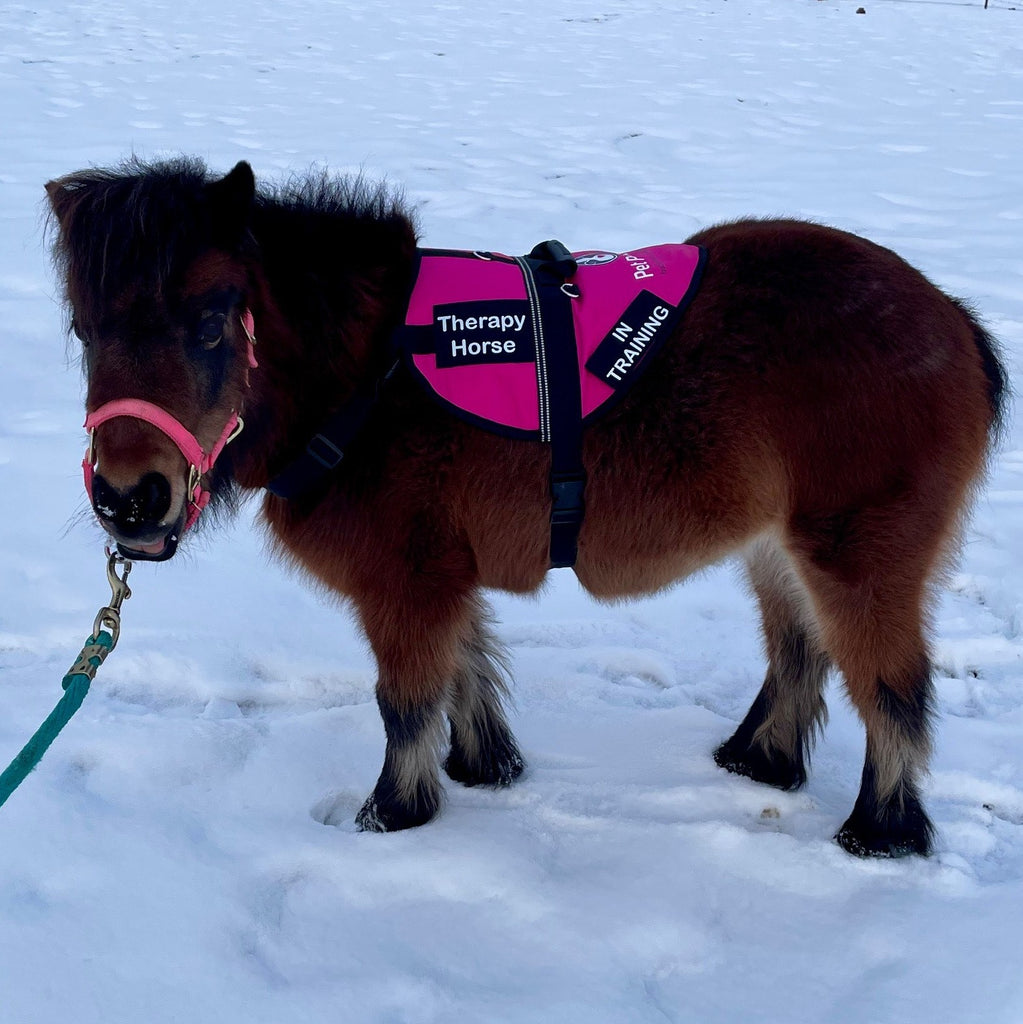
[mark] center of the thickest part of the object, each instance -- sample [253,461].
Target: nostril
[148,502]
[105,499]
[136,510]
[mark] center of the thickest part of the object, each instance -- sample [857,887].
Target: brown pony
[822,410]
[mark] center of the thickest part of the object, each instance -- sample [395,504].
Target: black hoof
[893,835]
[383,812]
[753,763]
[501,767]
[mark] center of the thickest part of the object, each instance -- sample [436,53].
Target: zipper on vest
[542,383]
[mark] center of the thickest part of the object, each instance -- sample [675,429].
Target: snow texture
[186,851]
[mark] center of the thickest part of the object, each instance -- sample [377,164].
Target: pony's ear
[231,199]
[62,197]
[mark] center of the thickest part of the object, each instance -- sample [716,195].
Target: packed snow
[186,851]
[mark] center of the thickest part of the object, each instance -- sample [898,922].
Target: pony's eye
[211,330]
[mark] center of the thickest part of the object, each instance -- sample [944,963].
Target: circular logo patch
[594,259]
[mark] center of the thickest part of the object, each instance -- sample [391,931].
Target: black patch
[638,332]
[895,827]
[911,714]
[405,727]
[493,331]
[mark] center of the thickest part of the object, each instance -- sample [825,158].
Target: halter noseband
[200,462]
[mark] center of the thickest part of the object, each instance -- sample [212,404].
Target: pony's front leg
[408,790]
[417,644]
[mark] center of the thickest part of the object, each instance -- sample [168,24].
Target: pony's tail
[998,391]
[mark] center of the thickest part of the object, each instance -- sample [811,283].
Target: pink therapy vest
[474,330]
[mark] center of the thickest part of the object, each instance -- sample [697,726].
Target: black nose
[135,512]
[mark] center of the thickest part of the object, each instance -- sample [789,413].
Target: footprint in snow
[338,809]
[639,677]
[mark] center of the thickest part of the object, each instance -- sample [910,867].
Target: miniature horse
[821,409]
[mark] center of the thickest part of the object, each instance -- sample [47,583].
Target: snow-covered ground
[186,851]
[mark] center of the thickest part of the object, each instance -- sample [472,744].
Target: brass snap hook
[109,617]
[119,589]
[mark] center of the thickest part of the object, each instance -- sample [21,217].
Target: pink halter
[200,462]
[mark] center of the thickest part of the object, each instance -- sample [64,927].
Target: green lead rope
[76,686]
[105,632]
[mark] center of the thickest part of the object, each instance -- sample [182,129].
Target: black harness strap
[546,270]
[326,450]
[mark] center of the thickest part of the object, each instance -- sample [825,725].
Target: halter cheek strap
[200,462]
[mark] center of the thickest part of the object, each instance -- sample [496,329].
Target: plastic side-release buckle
[567,495]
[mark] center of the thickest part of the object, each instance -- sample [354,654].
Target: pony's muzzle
[137,513]
[136,516]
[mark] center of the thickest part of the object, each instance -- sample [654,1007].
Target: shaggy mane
[144,221]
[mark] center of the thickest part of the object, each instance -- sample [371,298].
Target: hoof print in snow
[333,810]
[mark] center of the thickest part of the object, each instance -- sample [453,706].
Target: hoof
[382,812]
[753,763]
[894,827]
[501,767]
[912,833]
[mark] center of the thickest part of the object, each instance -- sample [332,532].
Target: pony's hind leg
[483,750]
[888,819]
[773,742]
[868,571]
